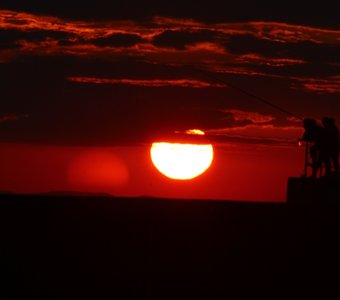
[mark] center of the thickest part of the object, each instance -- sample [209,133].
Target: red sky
[238,172]
[111,79]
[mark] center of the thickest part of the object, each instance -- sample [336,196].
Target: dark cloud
[245,44]
[8,40]
[180,39]
[71,42]
[80,112]
[11,38]
[311,13]
[106,121]
[222,139]
[11,117]
[67,113]
[315,52]
[310,69]
[34,35]
[117,40]
[63,112]
[306,50]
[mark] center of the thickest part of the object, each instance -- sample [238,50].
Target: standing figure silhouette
[315,135]
[332,145]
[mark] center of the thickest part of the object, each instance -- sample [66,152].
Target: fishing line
[251,95]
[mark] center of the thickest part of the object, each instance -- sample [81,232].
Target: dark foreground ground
[55,247]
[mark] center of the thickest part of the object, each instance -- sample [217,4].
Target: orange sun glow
[181,161]
[97,170]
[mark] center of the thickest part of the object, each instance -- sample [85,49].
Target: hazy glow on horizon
[97,171]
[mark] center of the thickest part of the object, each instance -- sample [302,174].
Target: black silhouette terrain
[77,247]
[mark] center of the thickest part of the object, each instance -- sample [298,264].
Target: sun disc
[181,161]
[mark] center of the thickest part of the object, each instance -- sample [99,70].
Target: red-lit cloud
[253,127]
[167,52]
[161,31]
[263,134]
[248,48]
[254,117]
[267,61]
[12,117]
[148,83]
[331,85]
[286,33]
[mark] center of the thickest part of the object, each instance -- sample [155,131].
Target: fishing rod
[262,100]
[251,95]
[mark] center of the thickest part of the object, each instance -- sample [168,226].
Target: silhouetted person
[332,145]
[315,135]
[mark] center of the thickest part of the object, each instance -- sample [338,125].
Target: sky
[100,81]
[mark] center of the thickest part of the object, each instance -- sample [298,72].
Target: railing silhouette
[307,162]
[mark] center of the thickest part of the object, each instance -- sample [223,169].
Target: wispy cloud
[287,33]
[254,132]
[254,117]
[331,86]
[161,31]
[254,127]
[12,117]
[189,83]
[268,61]
[269,49]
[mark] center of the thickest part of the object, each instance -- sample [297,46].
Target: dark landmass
[6,192]
[73,194]
[75,247]
[302,190]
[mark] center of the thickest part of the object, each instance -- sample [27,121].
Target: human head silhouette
[309,123]
[328,122]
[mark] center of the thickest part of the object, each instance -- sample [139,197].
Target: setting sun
[181,161]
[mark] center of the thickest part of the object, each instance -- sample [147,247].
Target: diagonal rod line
[261,99]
